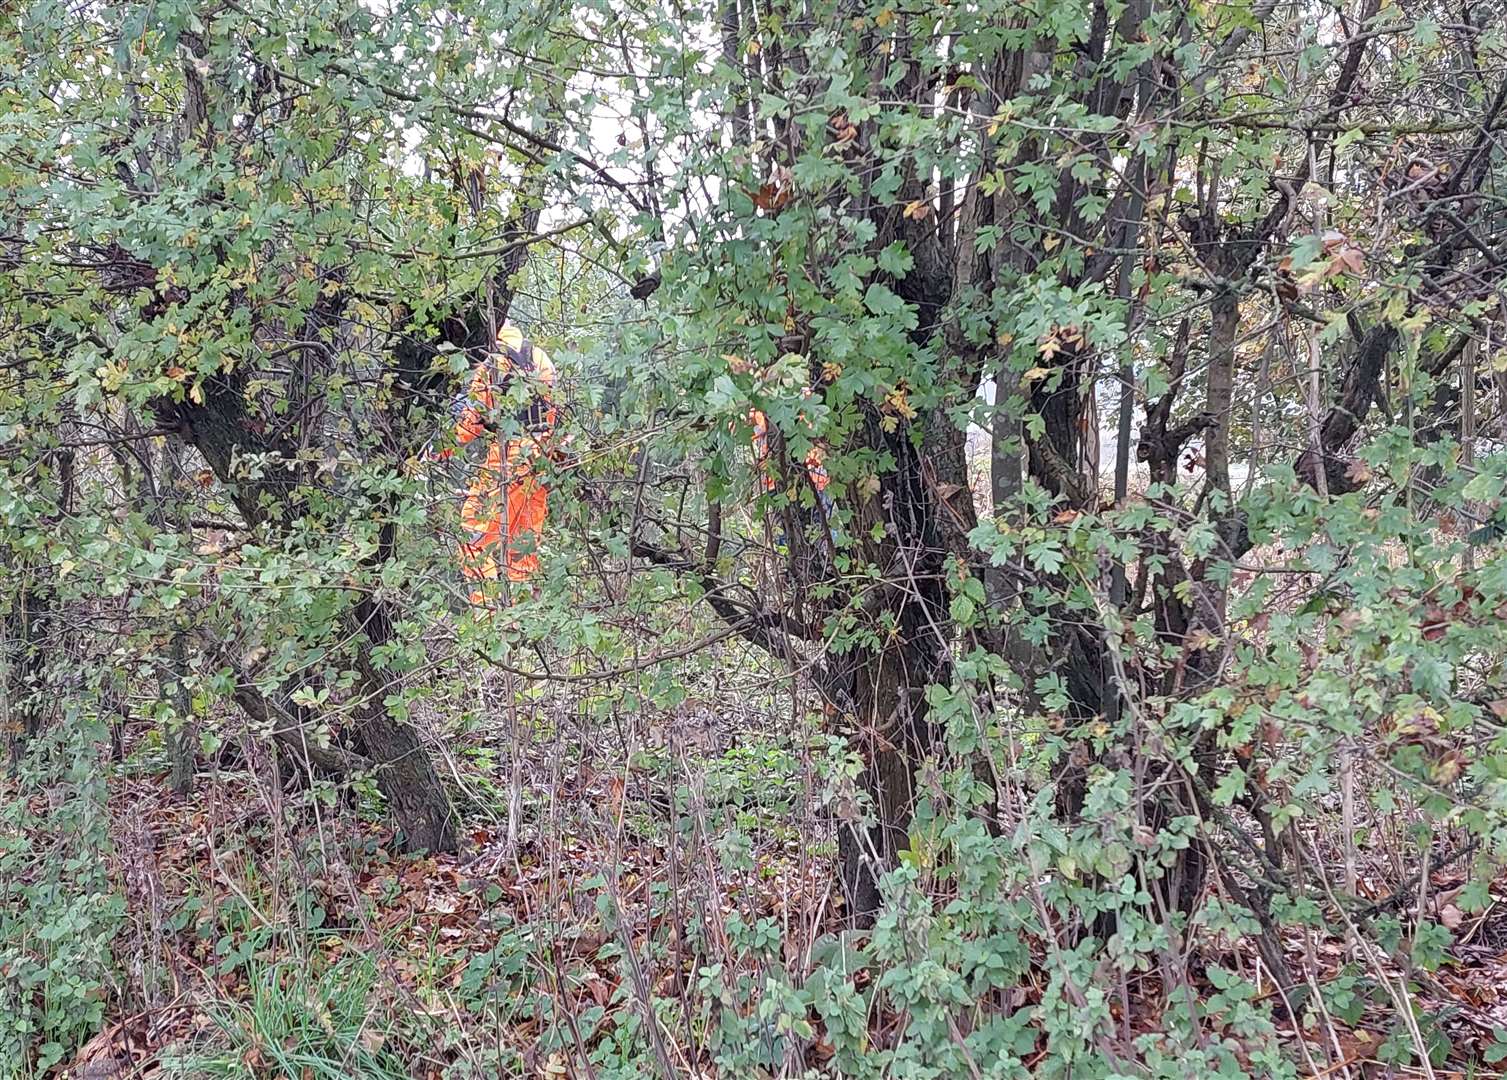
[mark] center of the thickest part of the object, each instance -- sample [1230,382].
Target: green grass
[320,1025]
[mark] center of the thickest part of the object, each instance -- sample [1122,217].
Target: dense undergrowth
[1023,591]
[667,909]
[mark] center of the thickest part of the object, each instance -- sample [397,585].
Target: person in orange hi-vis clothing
[760,424]
[814,467]
[506,504]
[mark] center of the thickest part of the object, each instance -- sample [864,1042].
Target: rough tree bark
[33,633]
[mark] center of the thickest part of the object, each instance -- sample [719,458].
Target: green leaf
[1230,787]
[896,259]
[881,300]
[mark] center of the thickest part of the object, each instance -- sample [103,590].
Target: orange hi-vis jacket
[814,467]
[506,496]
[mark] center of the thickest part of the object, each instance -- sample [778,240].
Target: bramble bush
[59,910]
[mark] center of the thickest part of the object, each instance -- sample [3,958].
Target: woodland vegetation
[1129,703]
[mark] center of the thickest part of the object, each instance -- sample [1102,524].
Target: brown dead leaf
[101,1059]
[1449,767]
[254,1059]
[1201,639]
[1435,623]
[777,191]
[843,128]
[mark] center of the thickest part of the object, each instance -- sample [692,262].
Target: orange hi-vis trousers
[503,514]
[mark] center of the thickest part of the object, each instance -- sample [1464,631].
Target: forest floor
[273,932]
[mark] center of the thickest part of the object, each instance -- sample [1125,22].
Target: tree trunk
[33,633]
[893,736]
[408,781]
[28,625]
[403,770]
[171,518]
[887,685]
[1225,316]
[1005,446]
